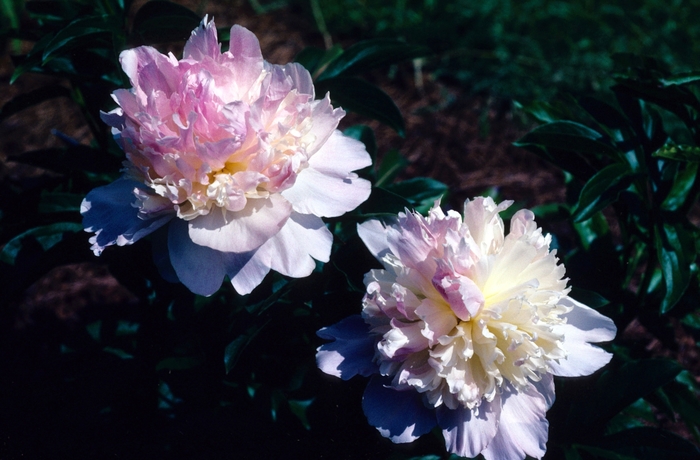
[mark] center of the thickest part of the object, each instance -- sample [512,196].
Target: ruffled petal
[468,432]
[328,188]
[523,427]
[351,351]
[199,268]
[398,415]
[584,325]
[108,211]
[292,251]
[244,230]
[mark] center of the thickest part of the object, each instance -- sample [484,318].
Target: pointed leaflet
[676,250]
[602,189]
[369,54]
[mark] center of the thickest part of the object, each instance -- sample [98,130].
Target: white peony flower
[464,328]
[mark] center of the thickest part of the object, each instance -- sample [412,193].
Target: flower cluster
[463,329]
[234,156]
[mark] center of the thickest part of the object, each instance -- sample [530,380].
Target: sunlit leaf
[679,152]
[682,187]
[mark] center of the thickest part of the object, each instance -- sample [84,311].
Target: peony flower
[233,156]
[464,329]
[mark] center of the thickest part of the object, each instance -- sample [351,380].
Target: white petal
[584,325]
[244,230]
[373,234]
[246,277]
[466,432]
[291,252]
[328,188]
[522,429]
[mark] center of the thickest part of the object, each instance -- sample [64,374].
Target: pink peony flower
[464,328]
[234,155]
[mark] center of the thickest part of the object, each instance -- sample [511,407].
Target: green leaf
[648,443]
[160,21]
[60,202]
[392,164]
[589,298]
[315,59]
[234,349]
[75,33]
[602,189]
[682,186]
[47,237]
[382,201]
[300,408]
[369,54]
[569,136]
[364,98]
[675,248]
[688,153]
[178,363]
[618,387]
[31,98]
[421,192]
[681,78]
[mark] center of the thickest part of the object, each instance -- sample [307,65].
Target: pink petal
[373,234]
[203,42]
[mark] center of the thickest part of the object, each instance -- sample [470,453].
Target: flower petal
[373,234]
[202,42]
[398,415]
[328,188]
[244,230]
[467,432]
[290,251]
[522,429]
[584,325]
[199,268]
[108,211]
[351,351]
[246,272]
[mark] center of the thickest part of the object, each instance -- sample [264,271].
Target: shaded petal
[244,230]
[328,188]
[545,387]
[200,268]
[523,427]
[290,251]
[301,78]
[108,211]
[373,234]
[467,432]
[398,415]
[351,351]
[584,325]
